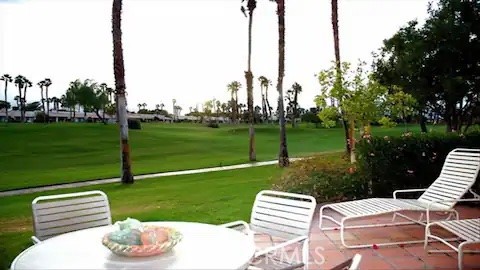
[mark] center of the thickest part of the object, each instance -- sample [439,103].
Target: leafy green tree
[401,105]
[437,63]
[34,106]
[361,100]
[311,117]
[69,99]
[4,105]
[7,79]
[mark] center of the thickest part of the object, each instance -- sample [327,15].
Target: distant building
[67,116]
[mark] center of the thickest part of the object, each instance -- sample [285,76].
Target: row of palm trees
[22,83]
[233,89]
[119,72]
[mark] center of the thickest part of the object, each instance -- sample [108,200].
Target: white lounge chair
[57,214]
[287,216]
[467,230]
[458,175]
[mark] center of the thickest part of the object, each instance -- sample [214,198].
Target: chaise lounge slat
[458,174]
[468,230]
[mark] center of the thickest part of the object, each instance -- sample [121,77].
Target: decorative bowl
[156,246]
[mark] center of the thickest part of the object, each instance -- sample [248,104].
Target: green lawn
[37,154]
[215,198]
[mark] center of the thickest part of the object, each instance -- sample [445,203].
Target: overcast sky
[188,49]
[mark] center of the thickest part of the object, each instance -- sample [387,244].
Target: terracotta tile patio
[327,251]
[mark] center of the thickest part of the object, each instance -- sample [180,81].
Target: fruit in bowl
[134,239]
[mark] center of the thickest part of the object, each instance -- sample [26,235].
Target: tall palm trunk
[237,109]
[48,104]
[19,102]
[119,72]
[6,100]
[42,99]
[295,104]
[268,103]
[283,160]
[23,102]
[336,44]
[249,77]
[264,108]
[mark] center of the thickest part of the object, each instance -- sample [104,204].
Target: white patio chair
[57,214]
[283,215]
[467,231]
[350,264]
[458,175]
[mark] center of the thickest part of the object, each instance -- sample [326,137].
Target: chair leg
[320,219]
[460,255]
[427,235]
[305,253]
[394,216]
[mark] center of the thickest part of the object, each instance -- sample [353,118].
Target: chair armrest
[234,224]
[35,240]
[407,191]
[240,226]
[281,245]
[429,205]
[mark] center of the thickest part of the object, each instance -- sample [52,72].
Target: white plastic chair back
[355,262]
[57,214]
[458,175]
[282,214]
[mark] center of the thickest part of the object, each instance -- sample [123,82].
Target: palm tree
[27,84]
[283,160]
[251,5]
[336,44]
[48,82]
[55,102]
[174,101]
[233,88]
[157,108]
[41,84]
[263,85]
[17,99]
[20,82]
[119,72]
[297,89]
[109,91]
[7,79]
[144,106]
[162,106]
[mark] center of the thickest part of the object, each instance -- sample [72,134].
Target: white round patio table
[203,246]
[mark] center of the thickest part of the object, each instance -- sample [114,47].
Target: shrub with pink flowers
[328,178]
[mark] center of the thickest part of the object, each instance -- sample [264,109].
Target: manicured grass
[215,198]
[37,154]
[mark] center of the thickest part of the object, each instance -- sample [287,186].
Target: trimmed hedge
[384,164]
[134,124]
[328,178]
[409,161]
